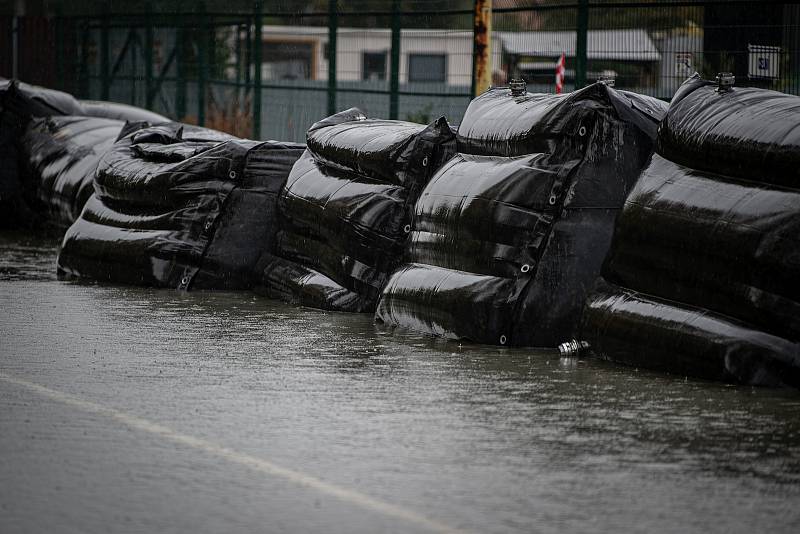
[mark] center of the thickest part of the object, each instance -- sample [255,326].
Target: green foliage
[421,115]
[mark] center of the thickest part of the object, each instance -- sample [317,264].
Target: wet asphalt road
[136,410]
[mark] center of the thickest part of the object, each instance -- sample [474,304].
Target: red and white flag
[560,74]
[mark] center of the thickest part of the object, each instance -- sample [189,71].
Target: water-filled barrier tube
[509,235]
[179,206]
[49,143]
[59,155]
[346,209]
[120,112]
[701,278]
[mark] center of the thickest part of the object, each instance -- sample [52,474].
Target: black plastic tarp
[25,100]
[746,132]
[299,284]
[718,253]
[395,152]
[720,243]
[663,335]
[59,157]
[19,103]
[347,206]
[180,207]
[504,246]
[499,124]
[42,133]
[120,112]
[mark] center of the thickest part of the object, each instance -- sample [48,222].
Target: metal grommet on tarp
[407,228]
[525,268]
[503,339]
[582,131]
[184,282]
[232,175]
[186,278]
[552,200]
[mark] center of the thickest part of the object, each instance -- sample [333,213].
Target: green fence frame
[138,47]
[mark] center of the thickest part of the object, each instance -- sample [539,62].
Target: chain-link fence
[270,69]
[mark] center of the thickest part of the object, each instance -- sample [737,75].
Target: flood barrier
[60,155]
[50,143]
[545,218]
[179,206]
[511,233]
[347,207]
[701,278]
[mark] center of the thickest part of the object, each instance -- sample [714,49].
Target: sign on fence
[684,66]
[764,62]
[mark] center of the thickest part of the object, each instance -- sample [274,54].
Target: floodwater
[137,410]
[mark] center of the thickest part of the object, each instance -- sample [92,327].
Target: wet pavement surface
[137,410]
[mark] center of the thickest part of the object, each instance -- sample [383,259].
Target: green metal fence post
[148,56]
[258,45]
[83,68]
[394,76]
[202,74]
[180,68]
[135,70]
[105,79]
[59,44]
[238,52]
[580,43]
[333,27]
[248,53]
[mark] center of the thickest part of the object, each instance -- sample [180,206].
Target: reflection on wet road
[130,409]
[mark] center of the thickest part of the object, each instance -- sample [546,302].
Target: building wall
[675,47]
[353,43]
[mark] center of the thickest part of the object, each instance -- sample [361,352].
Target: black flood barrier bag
[26,101]
[120,112]
[662,335]
[391,151]
[720,253]
[22,107]
[60,155]
[181,207]
[296,283]
[347,206]
[499,124]
[746,132]
[19,103]
[506,246]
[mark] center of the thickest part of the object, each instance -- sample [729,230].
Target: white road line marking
[258,464]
